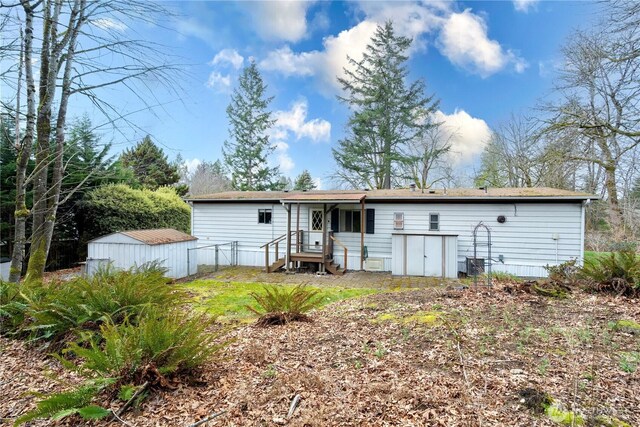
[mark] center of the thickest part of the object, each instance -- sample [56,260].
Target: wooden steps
[329,264]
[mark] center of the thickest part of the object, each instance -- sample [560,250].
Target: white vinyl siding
[524,240]
[124,252]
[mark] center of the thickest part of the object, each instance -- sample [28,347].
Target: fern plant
[280,305]
[78,401]
[67,309]
[618,272]
[160,344]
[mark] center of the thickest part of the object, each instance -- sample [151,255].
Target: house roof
[157,236]
[355,196]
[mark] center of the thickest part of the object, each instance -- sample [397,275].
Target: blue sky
[483,60]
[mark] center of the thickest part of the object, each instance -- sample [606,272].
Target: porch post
[324,233]
[363,224]
[288,256]
[298,227]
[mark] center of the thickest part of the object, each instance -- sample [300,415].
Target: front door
[316,227]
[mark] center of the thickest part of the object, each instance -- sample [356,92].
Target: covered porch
[313,243]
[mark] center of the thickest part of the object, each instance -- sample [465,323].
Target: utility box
[475,266]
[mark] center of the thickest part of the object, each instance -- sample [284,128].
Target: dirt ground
[419,357]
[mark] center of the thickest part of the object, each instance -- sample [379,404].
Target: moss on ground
[228,300]
[426,318]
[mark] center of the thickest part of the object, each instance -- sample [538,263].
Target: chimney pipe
[412,187]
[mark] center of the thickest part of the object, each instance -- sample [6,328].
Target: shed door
[415,256]
[433,256]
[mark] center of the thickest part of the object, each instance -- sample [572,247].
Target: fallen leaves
[350,371]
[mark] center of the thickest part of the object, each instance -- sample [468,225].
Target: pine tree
[304,182]
[248,147]
[387,113]
[150,165]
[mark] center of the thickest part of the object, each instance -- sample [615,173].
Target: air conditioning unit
[475,266]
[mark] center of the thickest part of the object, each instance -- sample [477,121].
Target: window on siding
[264,216]
[398,221]
[434,222]
[350,221]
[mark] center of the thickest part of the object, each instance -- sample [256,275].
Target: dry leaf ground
[423,357]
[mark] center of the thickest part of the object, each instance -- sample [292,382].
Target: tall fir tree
[304,182]
[387,112]
[149,165]
[247,150]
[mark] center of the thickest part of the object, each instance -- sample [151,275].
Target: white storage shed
[171,248]
[424,254]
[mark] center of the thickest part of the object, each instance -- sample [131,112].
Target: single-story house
[405,231]
[123,250]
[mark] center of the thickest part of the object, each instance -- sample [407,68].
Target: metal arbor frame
[475,252]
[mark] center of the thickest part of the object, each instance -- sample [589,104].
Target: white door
[433,256]
[316,227]
[415,255]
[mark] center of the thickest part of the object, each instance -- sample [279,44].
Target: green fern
[279,299]
[170,342]
[78,401]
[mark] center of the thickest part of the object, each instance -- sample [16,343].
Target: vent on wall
[398,221]
[374,264]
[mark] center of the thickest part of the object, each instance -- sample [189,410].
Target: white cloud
[464,40]
[283,159]
[295,122]
[289,63]
[109,24]
[219,82]
[228,56]
[191,27]
[524,5]
[326,64]
[283,20]
[468,135]
[318,183]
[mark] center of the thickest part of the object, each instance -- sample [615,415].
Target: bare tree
[427,155]
[600,88]
[83,49]
[208,178]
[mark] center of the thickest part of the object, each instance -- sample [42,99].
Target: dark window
[371,221]
[350,221]
[264,216]
[434,222]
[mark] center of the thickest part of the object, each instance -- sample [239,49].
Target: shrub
[152,352]
[618,272]
[118,207]
[14,304]
[66,310]
[160,345]
[279,305]
[78,401]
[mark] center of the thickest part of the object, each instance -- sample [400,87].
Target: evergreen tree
[248,147]
[304,182]
[387,113]
[149,165]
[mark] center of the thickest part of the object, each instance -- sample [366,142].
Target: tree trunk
[48,74]
[24,153]
[616,220]
[53,199]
